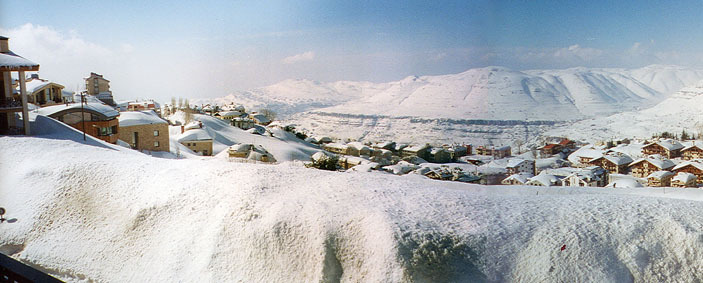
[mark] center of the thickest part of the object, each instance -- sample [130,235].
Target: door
[135,139]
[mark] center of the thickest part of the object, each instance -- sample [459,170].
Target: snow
[14,61]
[623,181]
[194,135]
[695,163]
[660,174]
[684,177]
[656,160]
[134,118]
[94,106]
[136,218]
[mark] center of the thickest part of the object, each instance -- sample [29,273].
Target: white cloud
[302,57]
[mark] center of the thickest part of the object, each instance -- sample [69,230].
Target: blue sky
[209,49]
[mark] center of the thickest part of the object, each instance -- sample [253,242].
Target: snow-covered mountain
[683,110]
[494,93]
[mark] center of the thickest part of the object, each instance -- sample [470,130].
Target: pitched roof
[695,163]
[98,108]
[135,118]
[684,177]
[194,135]
[656,160]
[12,62]
[617,159]
[693,144]
[668,144]
[660,174]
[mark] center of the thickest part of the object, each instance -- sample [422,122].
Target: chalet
[439,155]
[668,148]
[197,140]
[613,162]
[692,150]
[422,151]
[144,130]
[567,144]
[544,179]
[644,166]
[659,179]
[382,153]
[43,92]
[590,177]
[9,103]
[242,123]
[683,180]
[694,167]
[260,119]
[239,150]
[500,152]
[337,148]
[97,119]
[143,105]
[517,179]
[514,165]
[384,145]
[96,85]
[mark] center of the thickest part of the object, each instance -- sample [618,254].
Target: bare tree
[519,143]
[268,113]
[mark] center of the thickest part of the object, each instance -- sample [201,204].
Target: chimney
[182,129]
[4,45]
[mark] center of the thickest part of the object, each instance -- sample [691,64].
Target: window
[156,133]
[156,144]
[105,131]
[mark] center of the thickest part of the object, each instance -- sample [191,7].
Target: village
[149,127]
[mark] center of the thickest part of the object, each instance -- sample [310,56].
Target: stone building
[144,130]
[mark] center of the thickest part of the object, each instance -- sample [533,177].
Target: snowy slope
[283,145]
[681,111]
[86,213]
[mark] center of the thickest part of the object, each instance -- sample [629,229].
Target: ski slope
[89,213]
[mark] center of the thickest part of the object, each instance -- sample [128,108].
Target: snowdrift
[90,213]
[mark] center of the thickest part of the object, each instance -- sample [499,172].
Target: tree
[518,144]
[268,113]
[684,135]
[328,163]
[180,103]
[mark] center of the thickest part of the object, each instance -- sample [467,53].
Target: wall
[146,136]
[92,128]
[202,147]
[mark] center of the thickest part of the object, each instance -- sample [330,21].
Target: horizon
[208,51]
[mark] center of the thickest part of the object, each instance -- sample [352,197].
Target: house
[550,149]
[694,167]
[260,119]
[259,153]
[692,150]
[197,140]
[243,123]
[659,179]
[516,165]
[593,176]
[97,119]
[683,180]
[439,155]
[667,147]
[337,148]
[613,162]
[567,144]
[144,130]
[347,162]
[141,105]
[500,152]
[358,149]
[457,151]
[240,150]
[43,92]
[99,87]
[544,179]
[517,179]
[384,145]
[422,151]
[229,115]
[643,167]
[9,103]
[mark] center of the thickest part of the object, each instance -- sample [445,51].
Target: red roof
[550,146]
[565,142]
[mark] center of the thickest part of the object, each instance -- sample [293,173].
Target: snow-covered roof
[230,113]
[135,118]
[336,145]
[656,160]
[95,107]
[12,62]
[260,118]
[436,150]
[241,147]
[67,93]
[668,144]
[660,174]
[321,155]
[588,151]
[194,135]
[684,177]
[193,125]
[623,181]
[416,148]
[521,177]
[544,179]
[37,84]
[615,158]
[691,144]
[695,163]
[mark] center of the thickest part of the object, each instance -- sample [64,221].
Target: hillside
[86,213]
[683,110]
